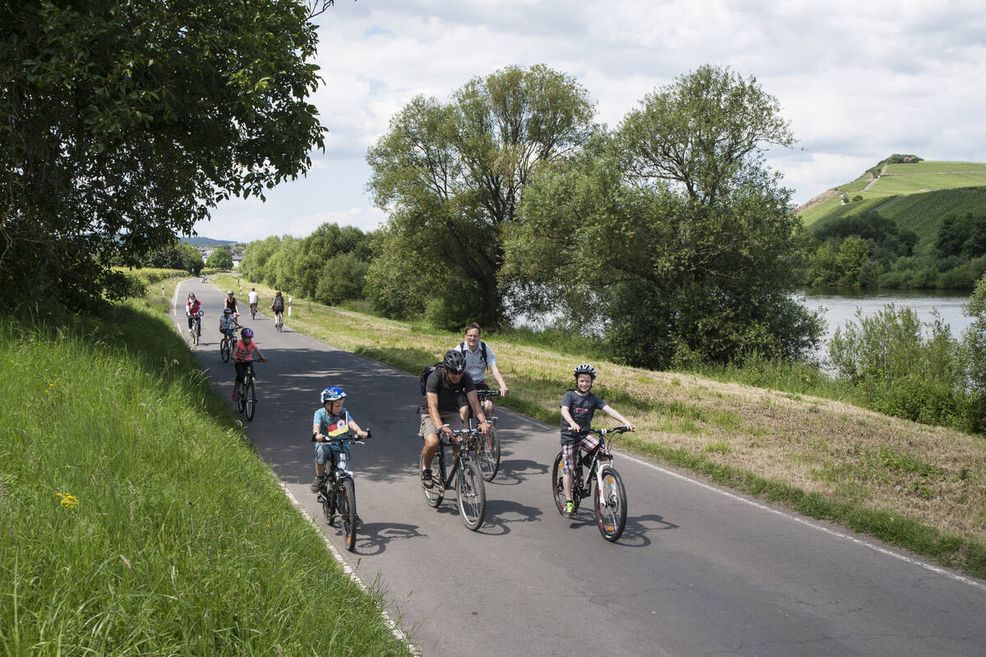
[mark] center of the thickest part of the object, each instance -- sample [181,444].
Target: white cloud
[857,81]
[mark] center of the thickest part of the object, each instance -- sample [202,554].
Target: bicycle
[601,480]
[488,456]
[226,347]
[279,320]
[195,330]
[468,480]
[247,400]
[338,493]
[253,311]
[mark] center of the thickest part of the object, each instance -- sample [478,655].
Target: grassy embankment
[136,519]
[919,487]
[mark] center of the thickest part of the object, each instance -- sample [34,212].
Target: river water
[839,309]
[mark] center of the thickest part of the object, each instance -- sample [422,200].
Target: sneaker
[318,483]
[569,509]
[426,478]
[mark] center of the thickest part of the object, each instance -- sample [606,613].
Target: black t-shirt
[278,304]
[448,392]
[582,408]
[231,304]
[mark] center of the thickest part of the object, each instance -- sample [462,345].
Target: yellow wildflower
[67,500]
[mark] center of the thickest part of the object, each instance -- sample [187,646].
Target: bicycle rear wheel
[488,456]
[435,494]
[471,494]
[249,400]
[224,349]
[347,510]
[611,505]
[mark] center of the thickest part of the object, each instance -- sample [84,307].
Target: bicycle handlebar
[603,432]
[348,438]
[489,393]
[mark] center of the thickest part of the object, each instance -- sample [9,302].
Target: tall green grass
[135,518]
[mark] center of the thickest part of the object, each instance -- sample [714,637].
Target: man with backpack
[479,358]
[442,386]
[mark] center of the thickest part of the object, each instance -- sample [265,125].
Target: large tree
[125,121]
[452,175]
[671,235]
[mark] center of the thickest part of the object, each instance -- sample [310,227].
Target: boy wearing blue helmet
[332,421]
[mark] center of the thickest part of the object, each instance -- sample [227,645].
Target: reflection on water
[839,309]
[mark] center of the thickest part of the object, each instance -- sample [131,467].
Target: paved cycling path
[699,571]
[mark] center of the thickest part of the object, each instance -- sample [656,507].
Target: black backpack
[425,373]
[482,352]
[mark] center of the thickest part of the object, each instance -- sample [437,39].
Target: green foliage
[328,266]
[452,174]
[176,256]
[125,123]
[677,242]
[129,537]
[221,258]
[899,370]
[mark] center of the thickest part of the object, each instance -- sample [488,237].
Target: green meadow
[135,519]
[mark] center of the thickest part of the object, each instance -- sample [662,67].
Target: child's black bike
[226,346]
[338,493]
[602,481]
[488,456]
[247,400]
[466,474]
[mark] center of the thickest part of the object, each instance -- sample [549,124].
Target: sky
[857,81]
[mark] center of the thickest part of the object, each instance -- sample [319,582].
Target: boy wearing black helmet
[443,387]
[577,408]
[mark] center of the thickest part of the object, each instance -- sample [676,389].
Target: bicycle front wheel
[472,495]
[557,485]
[611,505]
[347,510]
[488,456]
[241,399]
[249,400]
[224,349]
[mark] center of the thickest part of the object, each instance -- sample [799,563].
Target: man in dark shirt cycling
[443,387]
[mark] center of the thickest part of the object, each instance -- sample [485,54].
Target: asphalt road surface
[699,571]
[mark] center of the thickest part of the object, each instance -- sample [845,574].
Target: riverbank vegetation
[137,519]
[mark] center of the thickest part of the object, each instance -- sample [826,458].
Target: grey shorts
[428,427]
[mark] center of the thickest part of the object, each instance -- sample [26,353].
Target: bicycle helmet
[227,311]
[585,368]
[335,393]
[247,333]
[454,361]
[229,293]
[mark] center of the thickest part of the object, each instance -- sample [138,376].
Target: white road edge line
[808,523]
[394,628]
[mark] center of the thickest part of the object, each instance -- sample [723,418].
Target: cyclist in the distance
[332,421]
[443,387]
[479,358]
[277,305]
[243,358]
[192,308]
[253,298]
[577,408]
[230,302]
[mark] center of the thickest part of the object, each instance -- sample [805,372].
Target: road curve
[699,571]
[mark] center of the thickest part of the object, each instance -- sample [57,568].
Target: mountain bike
[338,492]
[196,329]
[279,320]
[601,480]
[253,311]
[488,456]
[226,346]
[464,472]
[247,401]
